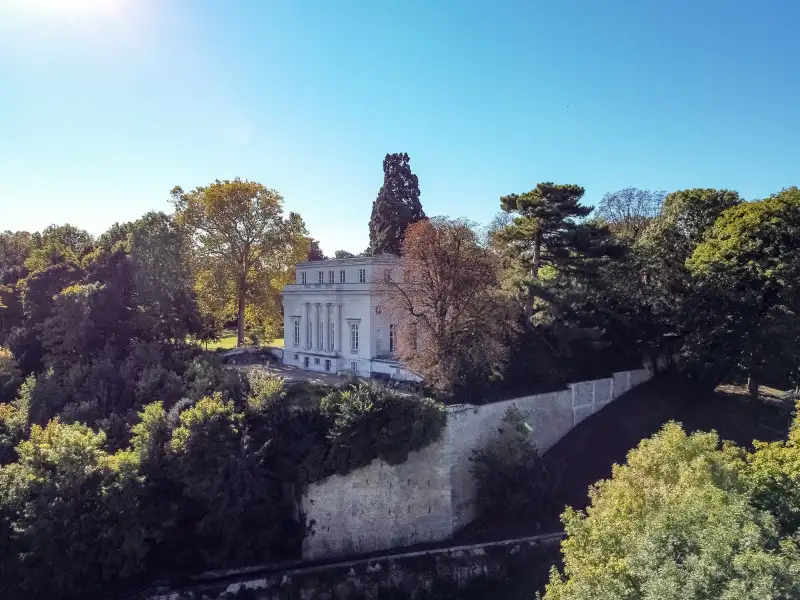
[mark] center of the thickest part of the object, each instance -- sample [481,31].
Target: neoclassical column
[337,327]
[304,325]
[326,344]
[309,326]
[315,327]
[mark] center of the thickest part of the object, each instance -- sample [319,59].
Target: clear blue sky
[107,104]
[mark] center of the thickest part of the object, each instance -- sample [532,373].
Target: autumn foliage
[452,322]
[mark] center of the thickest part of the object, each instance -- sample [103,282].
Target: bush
[509,472]
[265,389]
[370,421]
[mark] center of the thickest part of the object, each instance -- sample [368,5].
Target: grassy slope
[587,453]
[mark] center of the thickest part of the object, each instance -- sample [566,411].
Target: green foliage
[370,421]
[10,375]
[677,522]
[72,510]
[58,244]
[547,231]
[396,207]
[265,389]
[244,249]
[747,292]
[509,472]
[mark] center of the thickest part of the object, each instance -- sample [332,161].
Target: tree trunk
[537,251]
[241,290]
[752,386]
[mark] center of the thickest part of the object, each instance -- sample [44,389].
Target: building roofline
[333,262]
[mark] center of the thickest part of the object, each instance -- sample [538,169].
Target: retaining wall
[371,578]
[432,494]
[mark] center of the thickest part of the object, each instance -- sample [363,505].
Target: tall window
[321,333]
[331,338]
[330,276]
[308,333]
[297,332]
[353,337]
[354,366]
[391,338]
[303,277]
[341,276]
[322,276]
[362,276]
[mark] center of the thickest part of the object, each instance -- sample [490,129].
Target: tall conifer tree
[396,207]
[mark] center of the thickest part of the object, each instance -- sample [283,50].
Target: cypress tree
[396,207]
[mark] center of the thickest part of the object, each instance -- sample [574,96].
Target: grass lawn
[228,341]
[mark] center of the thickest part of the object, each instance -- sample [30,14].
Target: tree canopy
[396,207]
[245,248]
[746,320]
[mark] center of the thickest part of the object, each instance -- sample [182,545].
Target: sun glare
[84,9]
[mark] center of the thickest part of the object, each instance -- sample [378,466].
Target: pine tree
[396,207]
[545,233]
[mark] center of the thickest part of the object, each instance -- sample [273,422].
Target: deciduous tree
[452,321]
[245,247]
[629,211]
[746,272]
[396,207]
[675,522]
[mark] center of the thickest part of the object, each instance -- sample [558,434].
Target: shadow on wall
[433,494]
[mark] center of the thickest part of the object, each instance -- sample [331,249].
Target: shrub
[265,389]
[509,472]
[370,421]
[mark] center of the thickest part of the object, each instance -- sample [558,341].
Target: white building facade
[333,321]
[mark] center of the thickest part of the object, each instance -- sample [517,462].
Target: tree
[58,244]
[160,253]
[215,462]
[746,271]
[73,511]
[343,254]
[629,210]
[546,233]
[314,251]
[451,320]
[15,246]
[243,242]
[510,475]
[674,522]
[396,207]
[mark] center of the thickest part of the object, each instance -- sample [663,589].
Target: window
[308,334]
[305,362]
[362,276]
[303,277]
[377,310]
[341,276]
[296,332]
[327,364]
[322,276]
[321,334]
[316,361]
[331,338]
[297,357]
[354,366]
[387,275]
[391,338]
[330,276]
[353,337]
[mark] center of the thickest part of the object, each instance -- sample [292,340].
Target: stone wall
[412,572]
[432,494]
